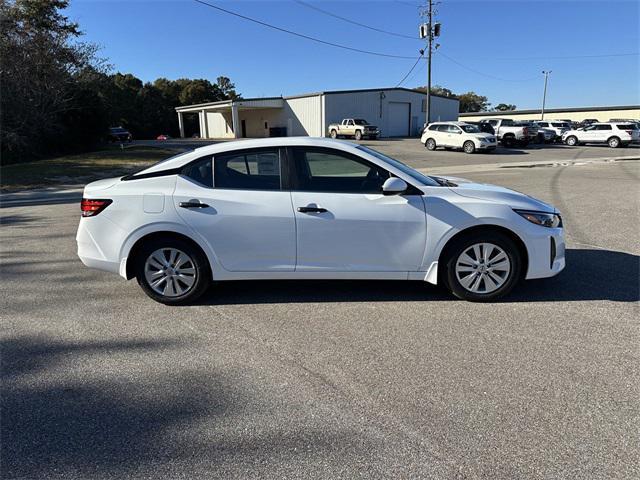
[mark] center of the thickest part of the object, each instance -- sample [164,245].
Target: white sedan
[305,208]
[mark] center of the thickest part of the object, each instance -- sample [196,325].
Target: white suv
[612,133]
[462,135]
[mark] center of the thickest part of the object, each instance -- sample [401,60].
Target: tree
[227,88]
[43,87]
[438,90]
[505,107]
[472,102]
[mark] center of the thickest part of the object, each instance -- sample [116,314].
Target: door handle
[193,205]
[312,210]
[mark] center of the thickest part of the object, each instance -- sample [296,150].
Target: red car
[163,137]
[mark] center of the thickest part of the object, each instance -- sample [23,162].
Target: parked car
[587,122]
[163,137]
[507,132]
[357,128]
[613,134]
[309,208]
[535,136]
[457,135]
[119,134]
[558,127]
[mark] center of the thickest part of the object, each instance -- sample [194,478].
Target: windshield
[414,174]
[507,123]
[118,130]
[470,128]
[360,121]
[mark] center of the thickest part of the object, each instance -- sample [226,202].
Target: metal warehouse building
[602,114]
[398,112]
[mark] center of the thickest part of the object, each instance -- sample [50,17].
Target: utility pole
[429,30]
[544,94]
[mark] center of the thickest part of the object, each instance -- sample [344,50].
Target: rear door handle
[193,205]
[312,210]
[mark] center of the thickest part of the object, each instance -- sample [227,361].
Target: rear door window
[248,170]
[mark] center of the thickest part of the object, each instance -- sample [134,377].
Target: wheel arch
[478,230]
[129,267]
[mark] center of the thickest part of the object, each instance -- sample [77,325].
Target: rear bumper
[98,243]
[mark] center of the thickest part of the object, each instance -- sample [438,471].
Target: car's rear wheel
[572,141]
[614,142]
[508,141]
[483,268]
[334,134]
[430,144]
[172,271]
[358,135]
[469,147]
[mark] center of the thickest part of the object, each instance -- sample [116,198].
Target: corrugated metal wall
[374,107]
[304,116]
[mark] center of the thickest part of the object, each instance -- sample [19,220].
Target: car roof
[242,144]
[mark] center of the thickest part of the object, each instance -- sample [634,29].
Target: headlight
[551,220]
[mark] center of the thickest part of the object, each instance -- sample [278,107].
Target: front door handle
[193,205]
[312,210]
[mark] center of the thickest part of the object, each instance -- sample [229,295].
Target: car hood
[483,135]
[494,193]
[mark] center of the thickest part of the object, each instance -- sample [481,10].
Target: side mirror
[394,186]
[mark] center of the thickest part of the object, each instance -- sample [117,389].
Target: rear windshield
[508,123]
[118,130]
[559,124]
[627,126]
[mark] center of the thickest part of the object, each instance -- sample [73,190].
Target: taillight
[91,207]
[525,130]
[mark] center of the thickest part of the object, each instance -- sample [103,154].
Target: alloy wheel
[483,268]
[170,272]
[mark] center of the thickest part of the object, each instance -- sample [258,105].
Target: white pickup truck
[509,133]
[353,127]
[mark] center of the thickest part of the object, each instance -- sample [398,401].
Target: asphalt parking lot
[331,379]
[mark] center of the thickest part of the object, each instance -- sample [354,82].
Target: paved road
[328,379]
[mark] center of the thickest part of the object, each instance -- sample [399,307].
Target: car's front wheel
[172,271]
[482,268]
[572,141]
[469,147]
[358,135]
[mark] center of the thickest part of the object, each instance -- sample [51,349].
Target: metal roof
[221,103]
[550,110]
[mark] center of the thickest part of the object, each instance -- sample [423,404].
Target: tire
[184,280]
[358,135]
[508,141]
[572,141]
[430,144]
[614,142]
[334,134]
[469,147]
[472,280]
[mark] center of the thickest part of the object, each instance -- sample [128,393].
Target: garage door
[398,121]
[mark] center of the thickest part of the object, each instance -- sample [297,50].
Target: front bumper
[546,249]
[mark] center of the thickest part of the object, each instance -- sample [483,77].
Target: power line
[313,7]
[409,72]
[478,72]
[604,55]
[301,35]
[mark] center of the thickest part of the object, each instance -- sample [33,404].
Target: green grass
[79,169]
